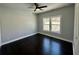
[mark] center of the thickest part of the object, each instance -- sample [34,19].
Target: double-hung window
[52,24]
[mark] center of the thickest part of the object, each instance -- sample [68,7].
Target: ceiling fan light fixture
[37,9]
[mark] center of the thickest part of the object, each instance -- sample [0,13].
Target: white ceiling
[30,6]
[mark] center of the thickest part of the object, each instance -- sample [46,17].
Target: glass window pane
[46,27]
[55,20]
[55,28]
[46,21]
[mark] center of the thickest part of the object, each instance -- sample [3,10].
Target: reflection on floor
[37,45]
[51,46]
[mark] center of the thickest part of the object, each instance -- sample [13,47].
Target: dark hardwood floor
[37,45]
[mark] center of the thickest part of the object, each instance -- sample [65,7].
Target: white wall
[67,22]
[76,31]
[16,23]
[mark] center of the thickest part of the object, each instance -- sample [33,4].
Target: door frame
[76,30]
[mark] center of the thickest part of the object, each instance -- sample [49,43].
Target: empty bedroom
[39,29]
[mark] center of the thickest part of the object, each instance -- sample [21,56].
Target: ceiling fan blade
[42,6]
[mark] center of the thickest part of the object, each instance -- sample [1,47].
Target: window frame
[50,25]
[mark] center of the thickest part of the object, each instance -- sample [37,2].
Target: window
[46,24]
[55,24]
[52,24]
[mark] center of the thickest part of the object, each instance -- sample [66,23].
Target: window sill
[56,32]
[52,32]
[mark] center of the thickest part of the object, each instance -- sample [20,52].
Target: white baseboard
[34,34]
[56,37]
[17,39]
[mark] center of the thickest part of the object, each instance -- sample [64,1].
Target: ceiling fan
[38,7]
